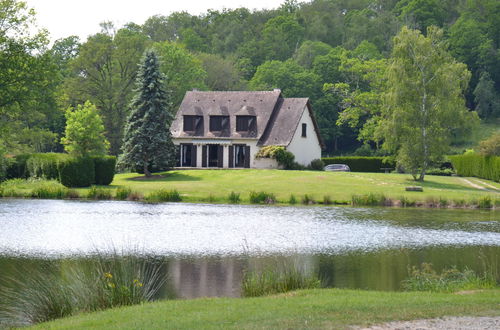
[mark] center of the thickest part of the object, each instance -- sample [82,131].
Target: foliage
[104,169]
[84,134]
[270,281]
[486,98]
[424,100]
[49,189]
[148,141]
[98,193]
[163,195]
[425,278]
[44,165]
[370,199]
[317,165]
[68,287]
[362,164]
[486,167]
[77,172]
[221,73]
[234,198]
[262,197]
[490,146]
[283,157]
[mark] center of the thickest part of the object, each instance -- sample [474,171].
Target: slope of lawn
[321,308]
[200,185]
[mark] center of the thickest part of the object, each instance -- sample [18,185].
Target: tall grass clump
[327,200]
[485,202]
[262,197]
[425,278]
[48,190]
[164,195]
[99,193]
[234,198]
[271,281]
[370,199]
[292,200]
[65,288]
[308,200]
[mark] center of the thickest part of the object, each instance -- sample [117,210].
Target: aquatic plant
[69,287]
[425,278]
[234,198]
[49,189]
[273,281]
[262,197]
[370,199]
[163,195]
[98,193]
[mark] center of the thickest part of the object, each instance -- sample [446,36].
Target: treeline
[333,51]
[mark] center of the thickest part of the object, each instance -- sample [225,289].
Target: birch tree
[425,100]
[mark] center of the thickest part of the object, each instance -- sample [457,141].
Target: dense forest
[336,52]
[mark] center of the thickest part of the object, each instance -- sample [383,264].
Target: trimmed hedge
[104,169]
[77,172]
[44,165]
[17,167]
[361,164]
[486,167]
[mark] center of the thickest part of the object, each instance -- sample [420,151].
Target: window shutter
[220,156]
[247,156]
[231,156]
[204,156]
[178,155]
[193,156]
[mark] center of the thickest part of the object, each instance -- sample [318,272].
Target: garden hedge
[486,167]
[77,172]
[362,164]
[16,168]
[44,165]
[104,169]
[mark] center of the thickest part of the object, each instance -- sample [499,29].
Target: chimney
[195,90]
[277,90]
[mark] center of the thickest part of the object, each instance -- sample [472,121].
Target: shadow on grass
[440,185]
[164,177]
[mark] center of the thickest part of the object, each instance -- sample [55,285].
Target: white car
[337,168]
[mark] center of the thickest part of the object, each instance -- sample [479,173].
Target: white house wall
[306,148]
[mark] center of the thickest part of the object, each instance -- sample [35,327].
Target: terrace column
[199,155]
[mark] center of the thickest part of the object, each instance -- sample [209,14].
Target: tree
[84,135]
[490,146]
[282,36]
[222,74]
[147,142]
[486,98]
[424,101]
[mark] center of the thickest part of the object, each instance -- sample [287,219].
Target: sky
[63,18]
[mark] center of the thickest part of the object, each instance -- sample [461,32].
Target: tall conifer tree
[147,142]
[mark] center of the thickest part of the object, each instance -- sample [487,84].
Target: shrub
[273,281]
[44,165]
[98,193]
[164,195]
[283,157]
[440,172]
[317,165]
[425,278]
[362,164]
[486,167]
[262,197]
[16,168]
[490,146]
[77,172]
[104,169]
[234,198]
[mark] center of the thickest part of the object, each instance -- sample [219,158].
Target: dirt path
[487,185]
[472,184]
[466,322]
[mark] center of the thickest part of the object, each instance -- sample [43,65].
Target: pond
[207,248]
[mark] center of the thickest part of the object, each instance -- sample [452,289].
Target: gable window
[192,123]
[219,123]
[245,123]
[304,130]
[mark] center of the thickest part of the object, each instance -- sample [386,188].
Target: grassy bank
[320,308]
[291,187]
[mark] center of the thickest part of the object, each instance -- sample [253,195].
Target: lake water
[207,248]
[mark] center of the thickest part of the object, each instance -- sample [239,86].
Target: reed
[370,199]
[163,195]
[262,197]
[234,198]
[99,193]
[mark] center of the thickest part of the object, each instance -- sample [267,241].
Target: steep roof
[259,104]
[277,117]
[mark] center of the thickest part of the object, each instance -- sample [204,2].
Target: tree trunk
[146,170]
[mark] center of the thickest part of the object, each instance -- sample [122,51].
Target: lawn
[216,185]
[321,308]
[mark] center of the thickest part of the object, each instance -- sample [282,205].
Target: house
[227,129]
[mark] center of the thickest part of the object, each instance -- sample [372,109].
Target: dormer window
[219,123]
[246,123]
[193,123]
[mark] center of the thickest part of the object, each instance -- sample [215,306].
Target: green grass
[217,185]
[319,308]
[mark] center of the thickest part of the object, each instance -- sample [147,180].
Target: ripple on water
[63,228]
